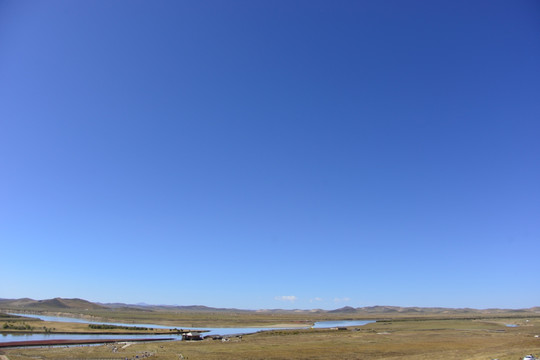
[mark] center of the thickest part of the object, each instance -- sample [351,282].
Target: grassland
[202,316]
[51,327]
[239,318]
[208,319]
[404,338]
[202,319]
[398,334]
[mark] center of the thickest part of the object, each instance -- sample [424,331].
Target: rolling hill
[76,305]
[56,304]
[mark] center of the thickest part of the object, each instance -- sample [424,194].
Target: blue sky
[271,154]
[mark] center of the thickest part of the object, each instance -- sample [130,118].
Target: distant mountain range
[62,304]
[72,305]
[56,304]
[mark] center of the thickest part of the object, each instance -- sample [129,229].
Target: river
[210,331]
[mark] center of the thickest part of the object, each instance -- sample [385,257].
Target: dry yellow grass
[67,327]
[412,339]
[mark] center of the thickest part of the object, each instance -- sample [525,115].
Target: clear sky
[271,154]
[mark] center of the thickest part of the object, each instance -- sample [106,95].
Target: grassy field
[65,327]
[206,319]
[252,318]
[424,338]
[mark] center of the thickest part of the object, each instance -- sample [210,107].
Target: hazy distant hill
[70,305]
[173,308]
[56,304]
[344,310]
[369,310]
[17,302]
[61,304]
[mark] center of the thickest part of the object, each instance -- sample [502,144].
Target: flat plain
[404,338]
[397,333]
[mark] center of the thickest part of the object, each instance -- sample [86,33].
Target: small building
[192,335]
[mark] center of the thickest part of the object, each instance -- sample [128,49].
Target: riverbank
[288,326]
[35,343]
[80,330]
[21,332]
[194,319]
[41,323]
[60,327]
[405,340]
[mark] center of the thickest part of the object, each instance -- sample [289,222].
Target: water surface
[210,331]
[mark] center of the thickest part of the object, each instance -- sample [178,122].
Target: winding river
[210,331]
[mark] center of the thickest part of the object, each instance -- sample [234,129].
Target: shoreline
[158,322]
[25,332]
[284,325]
[29,343]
